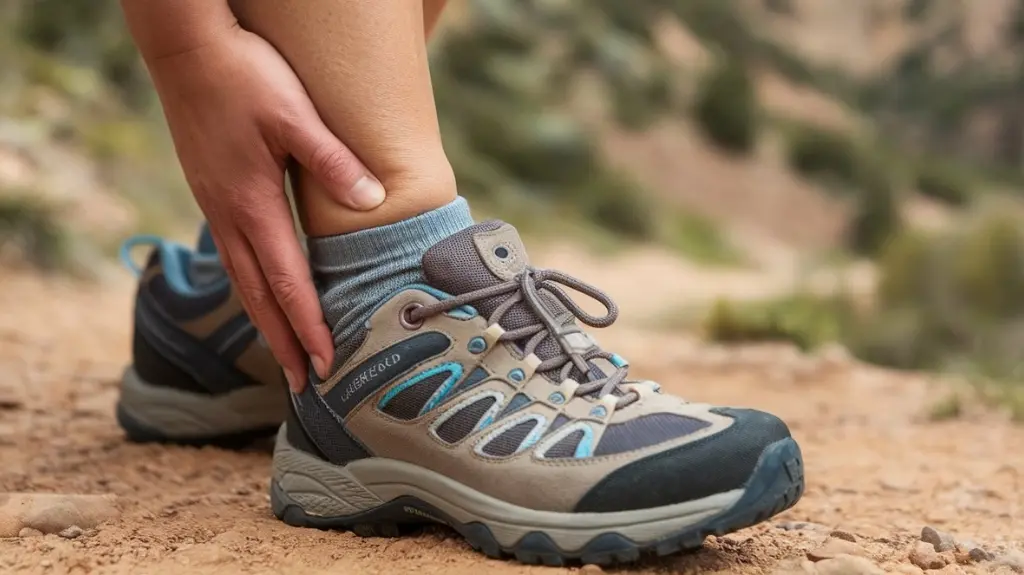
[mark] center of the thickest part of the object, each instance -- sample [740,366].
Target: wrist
[163,29]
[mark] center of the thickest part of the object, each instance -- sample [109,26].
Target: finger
[286,271]
[264,311]
[330,161]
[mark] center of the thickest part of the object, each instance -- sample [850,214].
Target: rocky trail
[889,491]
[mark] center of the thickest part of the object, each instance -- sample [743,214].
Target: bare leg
[365,67]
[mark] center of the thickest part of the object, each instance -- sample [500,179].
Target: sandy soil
[878,471]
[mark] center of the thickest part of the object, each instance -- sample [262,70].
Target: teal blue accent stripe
[454,370]
[585,448]
[534,435]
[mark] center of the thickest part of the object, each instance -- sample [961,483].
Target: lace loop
[525,287]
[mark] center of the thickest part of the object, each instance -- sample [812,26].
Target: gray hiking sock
[354,272]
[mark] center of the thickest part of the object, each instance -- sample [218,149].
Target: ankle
[410,192]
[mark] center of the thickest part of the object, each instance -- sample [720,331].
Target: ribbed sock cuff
[411,237]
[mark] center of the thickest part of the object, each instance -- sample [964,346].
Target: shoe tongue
[481,256]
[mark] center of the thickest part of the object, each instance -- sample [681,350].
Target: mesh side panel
[472,380]
[408,403]
[559,421]
[508,442]
[519,400]
[566,447]
[646,431]
[458,426]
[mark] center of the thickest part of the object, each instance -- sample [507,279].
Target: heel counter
[296,432]
[164,354]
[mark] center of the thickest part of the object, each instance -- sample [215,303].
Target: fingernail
[367,194]
[293,382]
[320,365]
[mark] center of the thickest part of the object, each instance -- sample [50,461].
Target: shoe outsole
[775,485]
[138,432]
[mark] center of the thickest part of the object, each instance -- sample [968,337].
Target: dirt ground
[878,471]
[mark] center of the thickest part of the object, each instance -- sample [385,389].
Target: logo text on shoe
[383,367]
[370,373]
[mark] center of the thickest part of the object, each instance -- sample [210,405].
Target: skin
[339,87]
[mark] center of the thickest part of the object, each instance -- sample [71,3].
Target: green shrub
[617,205]
[780,7]
[906,267]
[32,229]
[987,268]
[726,109]
[804,320]
[943,184]
[532,146]
[820,152]
[698,238]
[876,220]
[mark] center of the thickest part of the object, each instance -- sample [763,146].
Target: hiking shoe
[200,372]
[477,401]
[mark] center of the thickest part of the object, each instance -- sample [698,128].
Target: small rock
[844,535]
[940,541]
[834,547]
[53,513]
[71,532]
[924,556]
[9,402]
[591,570]
[847,565]
[799,526]
[29,532]
[978,555]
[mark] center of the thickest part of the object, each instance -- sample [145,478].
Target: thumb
[333,164]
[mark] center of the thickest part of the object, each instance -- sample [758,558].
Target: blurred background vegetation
[884,132]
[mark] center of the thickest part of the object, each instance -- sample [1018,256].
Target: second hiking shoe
[477,401]
[200,373]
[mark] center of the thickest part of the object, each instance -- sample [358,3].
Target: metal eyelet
[406,321]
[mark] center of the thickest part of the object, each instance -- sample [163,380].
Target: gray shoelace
[525,287]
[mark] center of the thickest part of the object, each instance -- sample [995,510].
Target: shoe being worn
[200,373]
[477,401]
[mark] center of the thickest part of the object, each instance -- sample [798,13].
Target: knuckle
[286,288]
[335,164]
[260,302]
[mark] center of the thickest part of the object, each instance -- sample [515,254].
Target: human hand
[237,114]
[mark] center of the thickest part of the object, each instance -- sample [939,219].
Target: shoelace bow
[525,287]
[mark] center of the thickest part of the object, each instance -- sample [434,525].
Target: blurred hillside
[752,133]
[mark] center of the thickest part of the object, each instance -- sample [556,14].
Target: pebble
[844,535]
[798,526]
[8,401]
[941,541]
[924,556]
[978,555]
[832,548]
[71,532]
[29,532]
[52,512]
[847,565]
[591,570]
